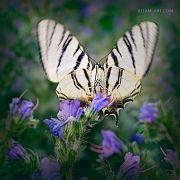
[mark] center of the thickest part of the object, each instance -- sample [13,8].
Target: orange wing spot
[90,98]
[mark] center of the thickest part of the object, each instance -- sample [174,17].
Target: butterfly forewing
[129,61]
[64,59]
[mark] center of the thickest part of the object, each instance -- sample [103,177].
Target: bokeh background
[97,25]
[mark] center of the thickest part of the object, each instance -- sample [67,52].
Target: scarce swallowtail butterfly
[119,75]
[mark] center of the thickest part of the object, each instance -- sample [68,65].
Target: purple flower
[26,108]
[137,138]
[14,106]
[148,113]
[56,126]
[99,102]
[172,158]
[70,108]
[69,111]
[130,168]
[23,108]
[16,150]
[50,169]
[110,144]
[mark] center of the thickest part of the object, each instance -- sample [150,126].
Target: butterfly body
[119,75]
[98,79]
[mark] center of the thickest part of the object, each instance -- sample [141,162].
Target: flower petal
[56,126]
[99,102]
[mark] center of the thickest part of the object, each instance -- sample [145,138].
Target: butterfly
[118,75]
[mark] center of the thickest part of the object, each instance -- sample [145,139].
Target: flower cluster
[130,168]
[148,113]
[70,127]
[70,110]
[22,108]
[16,151]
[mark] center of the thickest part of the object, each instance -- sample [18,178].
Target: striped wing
[130,60]
[64,60]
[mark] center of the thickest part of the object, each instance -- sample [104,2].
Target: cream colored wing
[64,60]
[129,61]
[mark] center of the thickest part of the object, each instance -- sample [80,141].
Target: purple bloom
[172,158]
[14,106]
[69,111]
[130,168]
[148,113]
[137,138]
[110,144]
[50,169]
[22,108]
[70,108]
[56,126]
[99,102]
[16,151]
[26,108]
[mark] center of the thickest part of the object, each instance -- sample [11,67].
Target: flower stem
[68,174]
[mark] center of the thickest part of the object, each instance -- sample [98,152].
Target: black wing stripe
[107,78]
[152,54]
[40,53]
[128,44]
[61,95]
[47,40]
[106,63]
[88,65]
[118,50]
[74,81]
[79,59]
[142,35]
[78,47]
[54,28]
[132,38]
[88,79]
[127,99]
[78,83]
[65,45]
[114,57]
[134,94]
[147,32]
[136,89]
[62,37]
[118,82]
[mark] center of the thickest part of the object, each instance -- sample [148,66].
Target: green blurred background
[97,26]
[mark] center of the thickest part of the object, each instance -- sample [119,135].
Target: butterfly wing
[64,60]
[129,61]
